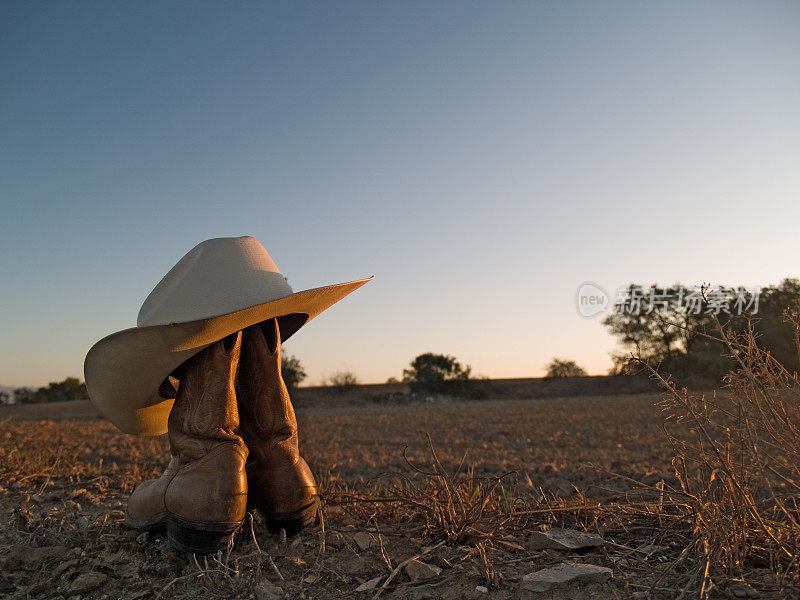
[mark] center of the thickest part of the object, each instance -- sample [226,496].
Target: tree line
[71,388]
[671,328]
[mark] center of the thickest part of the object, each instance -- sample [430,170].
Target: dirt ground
[531,465]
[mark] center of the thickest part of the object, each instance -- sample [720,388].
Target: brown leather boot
[202,495]
[280,483]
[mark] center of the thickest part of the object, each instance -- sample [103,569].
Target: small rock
[87,582]
[742,589]
[143,538]
[425,592]
[419,571]
[352,565]
[295,549]
[21,519]
[364,540]
[564,574]
[32,558]
[82,523]
[641,595]
[369,585]
[160,568]
[335,540]
[266,590]
[64,566]
[563,539]
[652,548]
[37,588]
[482,589]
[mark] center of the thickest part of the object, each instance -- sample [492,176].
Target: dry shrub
[738,461]
[342,381]
[455,507]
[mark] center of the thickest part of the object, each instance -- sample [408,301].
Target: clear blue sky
[480,159]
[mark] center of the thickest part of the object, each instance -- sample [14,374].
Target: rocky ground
[445,499]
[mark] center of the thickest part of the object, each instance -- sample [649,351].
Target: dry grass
[737,460]
[454,507]
[429,480]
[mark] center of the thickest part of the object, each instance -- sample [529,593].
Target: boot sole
[198,537]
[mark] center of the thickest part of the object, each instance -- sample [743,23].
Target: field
[591,464]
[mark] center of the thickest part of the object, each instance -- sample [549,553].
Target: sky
[481,159]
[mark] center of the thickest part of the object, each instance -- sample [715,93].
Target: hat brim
[125,370]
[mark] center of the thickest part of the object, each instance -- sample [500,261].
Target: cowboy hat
[221,286]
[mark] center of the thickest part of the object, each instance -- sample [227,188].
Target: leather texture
[205,484]
[280,482]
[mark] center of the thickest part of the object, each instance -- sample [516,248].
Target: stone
[425,592]
[87,582]
[420,571]
[81,523]
[335,540]
[369,585]
[563,575]
[32,557]
[482,589]
[352,565]
[22,519]
[64,566]
[266,590]
[742,589]
[563,539]
[652,549]
[364,540]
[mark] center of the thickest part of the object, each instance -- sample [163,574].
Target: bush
[738,459]
[292,371]
[342,381]
[436,373]
[560,367]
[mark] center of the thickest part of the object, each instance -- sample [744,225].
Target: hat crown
[217,277]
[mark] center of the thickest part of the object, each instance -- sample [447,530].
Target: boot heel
[200,541]
[293,523]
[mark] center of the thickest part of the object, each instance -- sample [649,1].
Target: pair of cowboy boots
[233,440]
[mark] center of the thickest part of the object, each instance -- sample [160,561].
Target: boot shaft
[205,411]
[280,484]
[267,416]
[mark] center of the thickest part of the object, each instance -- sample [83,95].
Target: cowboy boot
[280,483]
[202,495]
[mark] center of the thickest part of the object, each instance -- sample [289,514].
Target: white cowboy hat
[221,286]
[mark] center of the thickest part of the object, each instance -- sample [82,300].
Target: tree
[671,333]
[561,367]
[71,388]
[23,395]
[342,381]
[292,371]
[5,397]
[436,373]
